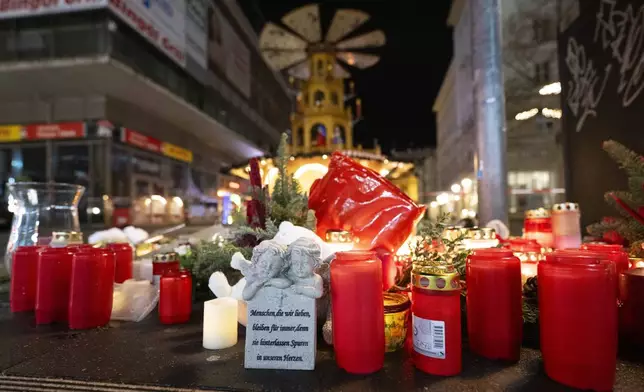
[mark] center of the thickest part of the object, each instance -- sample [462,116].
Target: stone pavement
[144,356]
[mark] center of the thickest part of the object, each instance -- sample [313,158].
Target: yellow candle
[220,323]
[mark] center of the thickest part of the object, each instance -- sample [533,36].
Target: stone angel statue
[265,268]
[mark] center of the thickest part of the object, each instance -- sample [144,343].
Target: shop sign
[148,143]
[21,8]
[67,130]
[139,140]
[176,152]
[162,22]
[10,133]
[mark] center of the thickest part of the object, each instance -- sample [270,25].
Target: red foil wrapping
[356,199]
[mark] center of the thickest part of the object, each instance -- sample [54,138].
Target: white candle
[220,323]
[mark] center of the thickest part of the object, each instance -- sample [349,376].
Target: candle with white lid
[220,323]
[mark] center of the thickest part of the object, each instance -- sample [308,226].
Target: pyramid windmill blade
[306,22]
[340,72]
[345,22]
[279,59]
[300,71]
[373,39]
[275,37]
[358,60]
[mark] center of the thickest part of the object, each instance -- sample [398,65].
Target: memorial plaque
[281,330]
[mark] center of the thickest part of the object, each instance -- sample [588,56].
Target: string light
[551,113]
[528,114]
[551,89]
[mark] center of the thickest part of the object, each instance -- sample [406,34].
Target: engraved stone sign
[281,290]
[281,331]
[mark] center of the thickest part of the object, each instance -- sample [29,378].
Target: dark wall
[601,58]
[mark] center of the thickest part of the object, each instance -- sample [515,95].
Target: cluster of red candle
[70,284]
[578,318]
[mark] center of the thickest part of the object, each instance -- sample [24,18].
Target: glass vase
[39,209]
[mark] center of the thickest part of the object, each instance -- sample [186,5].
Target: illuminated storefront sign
[151,144]
[10,133]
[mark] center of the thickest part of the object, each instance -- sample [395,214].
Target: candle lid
[483,233]
[452,233]
[338,236]
[395,302]
[492,253]
[441,278]
[563,207]
[537,213]
[600,246]
[165,257]
[68,237]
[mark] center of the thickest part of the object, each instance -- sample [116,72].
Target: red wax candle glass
[52,285]
[175,297]
[24,274]
[494,310]
[358,312]
[124,255]
[631,314]
[578,320]
[89,299]
[537,225]
[615,253]
[389,269]
[436,321]
[163,263]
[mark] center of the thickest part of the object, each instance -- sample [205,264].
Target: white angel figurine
[218,284]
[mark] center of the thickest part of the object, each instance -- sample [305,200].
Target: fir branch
[627,159]
[598,229]
[636,188]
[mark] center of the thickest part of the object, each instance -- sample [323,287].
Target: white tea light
[220,323]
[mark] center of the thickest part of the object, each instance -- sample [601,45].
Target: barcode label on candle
[429,337]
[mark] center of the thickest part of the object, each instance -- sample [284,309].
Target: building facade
[141,102]
[425,170]
[534,151]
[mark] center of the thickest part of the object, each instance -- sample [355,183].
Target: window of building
[318,98]
[542,72]
[543,30]
[334,98]
[32,162]
[320,67]
[120,172]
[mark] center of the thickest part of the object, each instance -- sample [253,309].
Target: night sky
[397,93]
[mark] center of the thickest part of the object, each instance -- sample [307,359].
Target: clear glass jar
[39,209]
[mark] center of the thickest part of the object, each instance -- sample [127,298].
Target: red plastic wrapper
[356,199]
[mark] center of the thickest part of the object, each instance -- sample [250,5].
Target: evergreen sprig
[287,203]
[629,204]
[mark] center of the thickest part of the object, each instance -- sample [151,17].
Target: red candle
[124,255]
[106,288]
[89,301]
[578,320]
[436,322]
[615,253]
[24,274]
[163,263]
[52,285]
[358,312]
[537,225]
[494,310]
[389,269]
[175,297]
[631,314]
[619,259]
